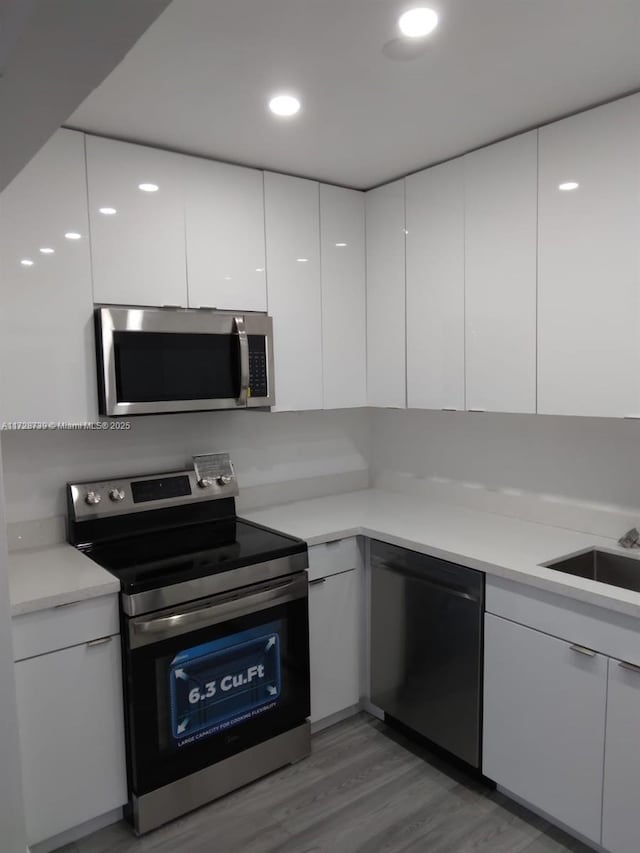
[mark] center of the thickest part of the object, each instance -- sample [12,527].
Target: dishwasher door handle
[447,589]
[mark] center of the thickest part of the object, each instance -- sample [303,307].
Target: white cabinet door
[386,322]
[544,718]
[500,275]
[138,251]
[47,359]
[344,349]
[435,287]
[334,635]
[71,737]
[224,226]
[293,289]
[588,259]
[620,832]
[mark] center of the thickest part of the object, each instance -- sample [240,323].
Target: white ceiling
[52,54]
[199,78]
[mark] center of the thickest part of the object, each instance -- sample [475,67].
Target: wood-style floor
[365,789]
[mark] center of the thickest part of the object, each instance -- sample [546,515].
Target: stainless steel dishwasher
[426,646]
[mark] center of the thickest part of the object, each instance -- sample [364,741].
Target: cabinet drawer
[64,626]
[613,634]
[330,558]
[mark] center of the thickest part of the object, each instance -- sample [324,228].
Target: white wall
[582,459]
[278,457]
[12,837]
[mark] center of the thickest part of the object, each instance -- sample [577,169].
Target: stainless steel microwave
[160,360]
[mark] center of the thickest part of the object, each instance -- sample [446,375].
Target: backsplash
[278,456]
[579,473]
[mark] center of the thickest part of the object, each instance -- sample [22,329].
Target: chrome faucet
[631,539]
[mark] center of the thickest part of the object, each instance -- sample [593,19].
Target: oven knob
[224,480]
[93,498]
[116,494]
[205,482]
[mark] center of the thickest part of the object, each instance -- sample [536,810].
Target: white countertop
[59,574]
[495,544]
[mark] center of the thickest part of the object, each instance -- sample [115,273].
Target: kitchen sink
[612,569]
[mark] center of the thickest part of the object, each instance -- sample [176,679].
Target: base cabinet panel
[544,716]
[620,830]
[71,737]
[334,643]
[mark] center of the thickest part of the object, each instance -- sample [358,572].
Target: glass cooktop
[161,558]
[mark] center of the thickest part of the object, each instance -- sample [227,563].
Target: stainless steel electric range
[215,634]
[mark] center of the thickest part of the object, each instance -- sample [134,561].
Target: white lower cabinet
[334,636]
[620,831]
[71,736]
[544,716]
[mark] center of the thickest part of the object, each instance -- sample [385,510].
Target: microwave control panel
[258,380]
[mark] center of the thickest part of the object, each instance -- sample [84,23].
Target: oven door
[207,680]
[174,360]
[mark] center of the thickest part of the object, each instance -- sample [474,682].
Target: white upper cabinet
[589,252]
[435,287]
[47,356]
[500,275]
[343,297]
[136,213]
[224,226]
[386,322]
[293,287]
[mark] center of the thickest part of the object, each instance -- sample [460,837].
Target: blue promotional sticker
[220,684]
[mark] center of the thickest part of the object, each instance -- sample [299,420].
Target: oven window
[218,685]
[166,366]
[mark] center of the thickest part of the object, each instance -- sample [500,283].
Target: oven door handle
[241,332]
[143,631]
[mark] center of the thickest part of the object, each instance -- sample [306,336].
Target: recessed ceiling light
[340,245]
[567,186]
[108,211]
[284,105]
[73,235]
[302,260]
[47,250]
[148,188]
[259,269]
[227,278]
[26,262]
[418,23]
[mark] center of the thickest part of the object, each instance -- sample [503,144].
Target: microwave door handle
[244,360]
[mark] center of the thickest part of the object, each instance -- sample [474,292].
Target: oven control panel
[155,491]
